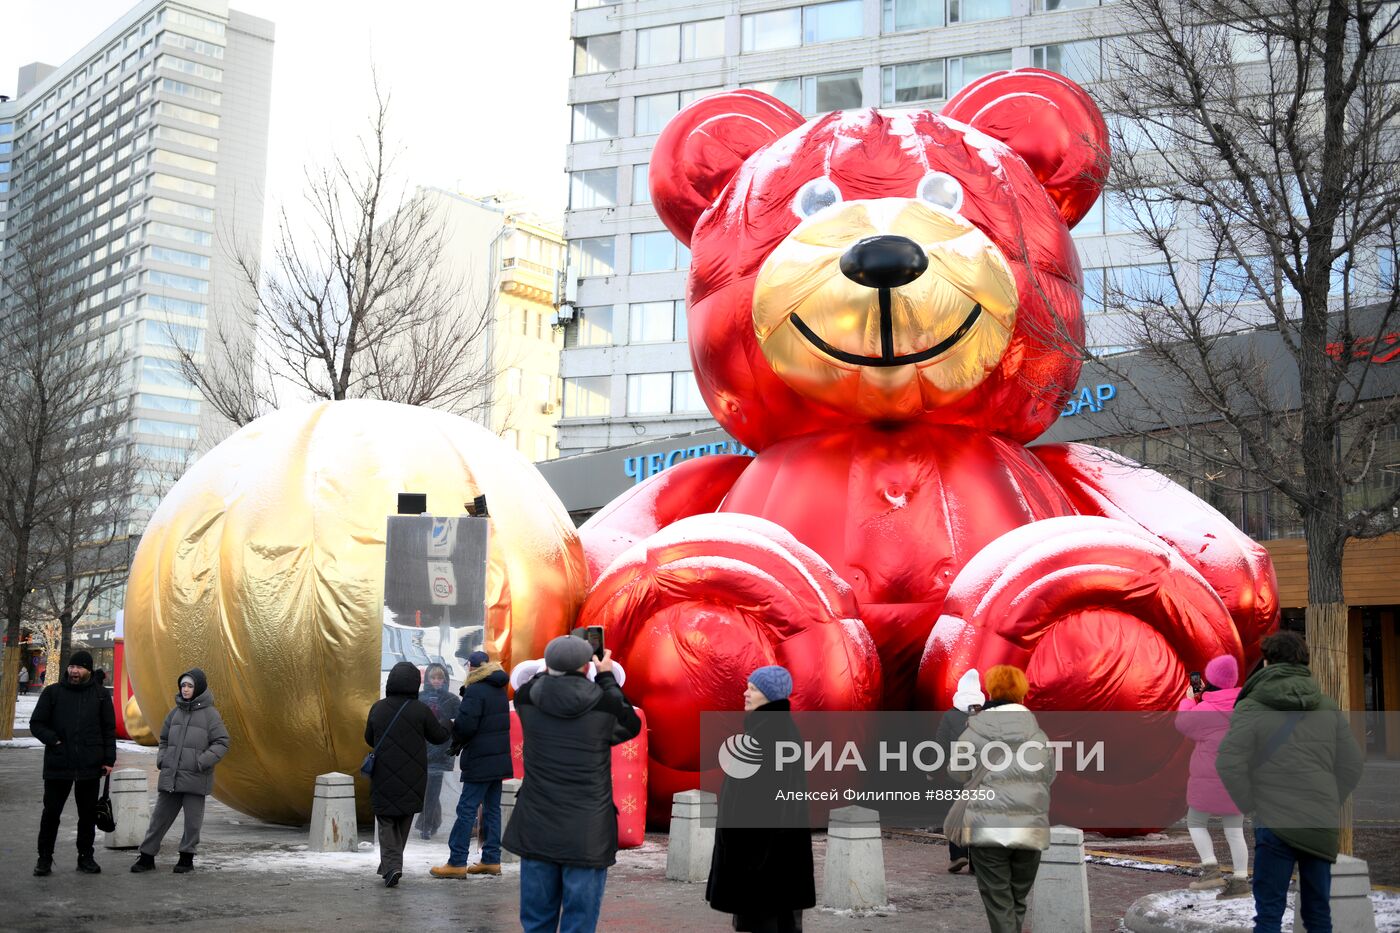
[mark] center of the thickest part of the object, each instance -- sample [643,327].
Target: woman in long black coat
[761,869]
[400,776]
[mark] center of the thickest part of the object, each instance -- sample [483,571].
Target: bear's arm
[688,488]
[1101,482]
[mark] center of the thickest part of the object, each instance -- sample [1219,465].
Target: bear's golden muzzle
[885,308]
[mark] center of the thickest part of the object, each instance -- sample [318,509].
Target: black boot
[88,865]
[44,866]
[185,864]
[144,862]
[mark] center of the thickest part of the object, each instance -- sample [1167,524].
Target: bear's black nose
[884,261]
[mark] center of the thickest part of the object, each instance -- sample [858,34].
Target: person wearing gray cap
[564,827]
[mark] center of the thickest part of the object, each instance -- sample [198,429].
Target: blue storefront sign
[1091,398]
[643,467]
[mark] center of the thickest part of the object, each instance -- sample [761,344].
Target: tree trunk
[65,645]
[1327,630]
[9,687]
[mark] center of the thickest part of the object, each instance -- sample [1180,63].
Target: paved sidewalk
[255,876]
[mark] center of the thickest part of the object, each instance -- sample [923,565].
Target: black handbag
[106,820]
[367,766]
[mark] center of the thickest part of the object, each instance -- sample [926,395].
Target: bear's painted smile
[887,356]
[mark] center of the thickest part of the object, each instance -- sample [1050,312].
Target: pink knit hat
[1223,672]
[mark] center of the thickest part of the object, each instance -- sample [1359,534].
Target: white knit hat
[969,691]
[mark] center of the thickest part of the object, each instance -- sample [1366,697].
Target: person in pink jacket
[1204,717]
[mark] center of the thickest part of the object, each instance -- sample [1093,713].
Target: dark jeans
[55,797]
[956,852]
[486,795]
[430,820]
[1273,866]
[561,897]
[1004,878]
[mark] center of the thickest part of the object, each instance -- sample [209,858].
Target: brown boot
[481,868]
[449,871]
[1211,878]
[1235,887]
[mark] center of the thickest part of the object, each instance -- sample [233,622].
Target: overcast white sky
[478,86]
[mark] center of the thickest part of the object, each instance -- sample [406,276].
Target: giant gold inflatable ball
[265,567]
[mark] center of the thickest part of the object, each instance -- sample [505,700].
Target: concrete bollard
[1351,898]
[333,827]
[1060,897]
[509,791]
[131,806]
[692,839]
[855,861]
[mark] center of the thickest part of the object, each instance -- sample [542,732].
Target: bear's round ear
[702,147]
[1051,123]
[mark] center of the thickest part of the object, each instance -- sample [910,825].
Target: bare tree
[60,420]
[363,305]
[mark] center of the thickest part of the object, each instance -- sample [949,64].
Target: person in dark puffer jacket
[564,827]
[400,775]
[192,741]
[482,730]
[78,726]
[444,704]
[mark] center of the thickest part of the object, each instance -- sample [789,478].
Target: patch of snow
[853,913]
[130,747]
[21,743]
[417,859]
[1134,863]
[1205,908]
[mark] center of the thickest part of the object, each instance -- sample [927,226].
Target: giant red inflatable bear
[882,305]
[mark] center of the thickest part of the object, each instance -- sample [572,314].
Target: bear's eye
[941,190]
[817,194]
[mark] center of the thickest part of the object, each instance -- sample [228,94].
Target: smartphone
[1198,683]
[594,636]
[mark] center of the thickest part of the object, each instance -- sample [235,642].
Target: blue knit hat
[773,681]
[477,658]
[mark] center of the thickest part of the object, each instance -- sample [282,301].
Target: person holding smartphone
[1204,718]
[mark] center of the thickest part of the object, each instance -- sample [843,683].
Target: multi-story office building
[626,368]
[507,265]
[142,161]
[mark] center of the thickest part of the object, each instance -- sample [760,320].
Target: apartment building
[142,159]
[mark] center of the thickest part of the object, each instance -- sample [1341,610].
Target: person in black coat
[761,867]
[444,703]
[564,827]
[482,731]
[400,728]
[78,726]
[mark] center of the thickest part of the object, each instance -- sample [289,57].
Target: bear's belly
[897,511]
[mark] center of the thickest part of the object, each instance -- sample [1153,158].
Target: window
[188,163]
[185,138]
[776,29]
[180,209]
[175,40]
[513,382]
[597,326]
[541,447]
[659,45]
[1228,281]
[658,252]
[1052,6]
[173,232]
[595,120]
[176,257]
[163,373]
[912,81]
[1091,224]
[171,280]
[175,111]
[1135,285]
[4,167]
[839,91]
[594,255]
[1093,298]
[685,393]
[174,63]
[174,18]
[787,90]
[184,406]
[830,22]
[704,39]
[162,452]
[597,53]
[649,394]
[963,71]
[6,128]
[191,90]
[168,305]
[593,188]
[185,432]
[587,397]
[641,189]
[656,321]
[1078,61]
[901,15]
[971,11]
